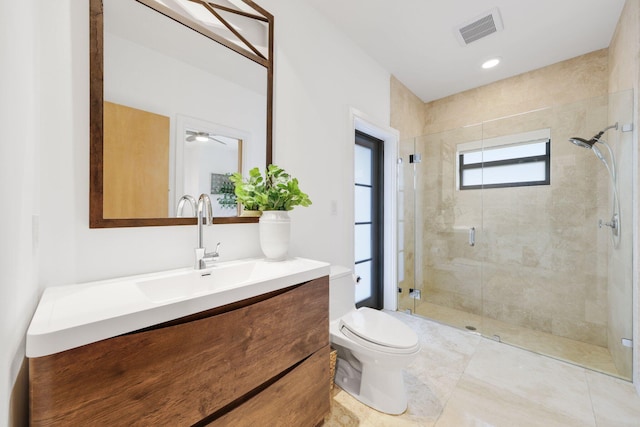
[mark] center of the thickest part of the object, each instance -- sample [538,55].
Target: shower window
[499,162]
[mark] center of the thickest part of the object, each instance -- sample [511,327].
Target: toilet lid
[379,328]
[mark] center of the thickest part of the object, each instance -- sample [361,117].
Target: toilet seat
[378,331]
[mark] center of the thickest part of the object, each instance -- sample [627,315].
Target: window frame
[546,158]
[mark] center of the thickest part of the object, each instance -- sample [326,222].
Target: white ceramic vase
[275,231]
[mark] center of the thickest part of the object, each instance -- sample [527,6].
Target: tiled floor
[589,355]
[461,379]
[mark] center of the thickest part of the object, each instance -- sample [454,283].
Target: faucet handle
[213,255]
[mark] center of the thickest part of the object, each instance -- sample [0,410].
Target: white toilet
[372,346]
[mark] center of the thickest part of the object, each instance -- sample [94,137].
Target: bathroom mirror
[176,66]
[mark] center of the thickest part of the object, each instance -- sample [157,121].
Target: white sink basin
[198,282]
[79,314]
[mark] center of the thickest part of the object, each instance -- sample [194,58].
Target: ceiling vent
[479,27]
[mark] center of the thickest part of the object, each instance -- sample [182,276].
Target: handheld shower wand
[591,144]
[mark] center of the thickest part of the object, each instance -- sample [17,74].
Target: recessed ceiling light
[491,63]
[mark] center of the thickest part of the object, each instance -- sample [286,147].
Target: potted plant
[246,191]
[273,194]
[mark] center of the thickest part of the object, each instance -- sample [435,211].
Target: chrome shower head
[581,142]
[591,145]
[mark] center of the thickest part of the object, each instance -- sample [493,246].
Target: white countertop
[75,315]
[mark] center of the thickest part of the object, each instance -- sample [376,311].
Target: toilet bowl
[373,348]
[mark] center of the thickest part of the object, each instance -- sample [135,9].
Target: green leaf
[276,190]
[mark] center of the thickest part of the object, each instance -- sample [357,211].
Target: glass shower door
[441,239]
[406,227]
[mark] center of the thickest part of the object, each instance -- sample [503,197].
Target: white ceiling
[415,40]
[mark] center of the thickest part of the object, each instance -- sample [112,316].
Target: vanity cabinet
[260,361]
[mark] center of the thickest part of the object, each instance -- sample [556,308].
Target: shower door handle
[472,236]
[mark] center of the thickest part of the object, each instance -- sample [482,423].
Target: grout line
[593,409]
[462,373]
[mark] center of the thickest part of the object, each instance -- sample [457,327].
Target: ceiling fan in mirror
[203,137]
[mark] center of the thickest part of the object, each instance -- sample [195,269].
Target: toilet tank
[342,292]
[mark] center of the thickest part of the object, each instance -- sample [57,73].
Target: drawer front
[180,374]
[300,398]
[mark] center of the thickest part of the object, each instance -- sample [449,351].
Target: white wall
[319,76]
[206,159]
[18,191]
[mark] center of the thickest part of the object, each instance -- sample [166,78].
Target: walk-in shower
[550,266]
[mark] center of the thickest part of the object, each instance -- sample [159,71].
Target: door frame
[391,137]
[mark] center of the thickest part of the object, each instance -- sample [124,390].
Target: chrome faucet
[184,200]
[204,259]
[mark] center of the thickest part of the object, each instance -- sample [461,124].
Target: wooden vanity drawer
[179,374]
[299,398]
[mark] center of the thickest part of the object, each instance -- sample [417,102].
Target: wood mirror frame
[96,60]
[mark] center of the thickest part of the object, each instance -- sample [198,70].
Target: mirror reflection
[167,88]
[206,155]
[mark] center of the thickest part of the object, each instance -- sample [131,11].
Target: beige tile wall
[558,84]
[407,111]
